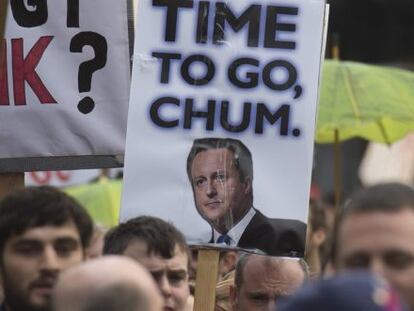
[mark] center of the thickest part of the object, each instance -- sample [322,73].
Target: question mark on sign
[87,68]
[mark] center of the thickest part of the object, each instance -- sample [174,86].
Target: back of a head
[160,237]
[110,283]
[357,292]
[118,297]
[41,206]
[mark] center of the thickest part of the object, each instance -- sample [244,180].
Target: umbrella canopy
[360,100]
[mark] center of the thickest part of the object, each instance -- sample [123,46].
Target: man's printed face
[219,194]
[32,261]
[171,275]
[381,242]
[265,282]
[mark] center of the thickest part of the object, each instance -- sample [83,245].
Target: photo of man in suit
[220,171]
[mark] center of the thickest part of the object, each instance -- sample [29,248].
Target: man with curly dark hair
[43,231]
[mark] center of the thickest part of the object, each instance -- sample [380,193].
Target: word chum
[217,113]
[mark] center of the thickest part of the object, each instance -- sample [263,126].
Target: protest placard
[221,120]
[64,85]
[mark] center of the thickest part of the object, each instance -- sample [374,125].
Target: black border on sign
[14,165]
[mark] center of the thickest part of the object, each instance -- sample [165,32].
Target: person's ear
[247,185]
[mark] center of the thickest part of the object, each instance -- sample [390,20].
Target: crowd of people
[53,257]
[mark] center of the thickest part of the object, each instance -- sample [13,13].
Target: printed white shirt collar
[236,232]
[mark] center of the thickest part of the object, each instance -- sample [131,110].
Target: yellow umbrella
[361,100]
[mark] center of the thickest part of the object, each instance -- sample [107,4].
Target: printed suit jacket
[274,236]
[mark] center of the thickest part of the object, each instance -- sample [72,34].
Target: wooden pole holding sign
[8,181]
[337,171]
[206,279]
[337,144]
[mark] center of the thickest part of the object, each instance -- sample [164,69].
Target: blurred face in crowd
[31,263]
[382,242]
[220,196]
[264,281]
[171,275]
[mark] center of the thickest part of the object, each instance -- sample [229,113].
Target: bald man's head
[110,283]
[261,280]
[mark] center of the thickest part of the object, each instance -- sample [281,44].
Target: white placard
[239,69]
[65,88]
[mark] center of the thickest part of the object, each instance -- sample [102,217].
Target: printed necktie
[224,239]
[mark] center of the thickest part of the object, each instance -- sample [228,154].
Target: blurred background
[377,32]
